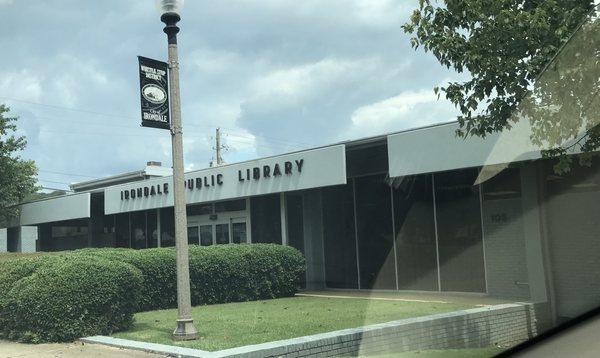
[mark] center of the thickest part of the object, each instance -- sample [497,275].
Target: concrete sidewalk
[475,299]
[67,350]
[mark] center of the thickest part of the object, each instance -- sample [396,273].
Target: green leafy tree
[17,176]
[527,60]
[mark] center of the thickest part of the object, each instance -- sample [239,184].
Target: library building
[416,210]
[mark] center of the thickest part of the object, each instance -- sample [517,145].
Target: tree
[17,176]
[528,60]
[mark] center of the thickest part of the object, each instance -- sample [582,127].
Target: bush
[231,273]
[71,296]
[68,295]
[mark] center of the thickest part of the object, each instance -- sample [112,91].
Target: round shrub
[71,296]
[157,267]
[231,273]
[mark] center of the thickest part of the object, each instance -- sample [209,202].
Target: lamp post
[185,329]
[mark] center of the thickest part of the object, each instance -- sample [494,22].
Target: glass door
[239,233]
[192,232]
[206,235]
[222,233]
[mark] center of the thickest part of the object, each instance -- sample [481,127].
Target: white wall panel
[68,207]
[437,148]
[309,169]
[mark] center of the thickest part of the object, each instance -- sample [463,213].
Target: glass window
[222,233]
[167,227]
[459,231]
[415,233]
[238,233]
[504,185]
[266,219]
[152,228]
[199,209]
[339,238]
[374,229]
[367,160]
[103,226]
[230,205]
[193,236]
[138,230]
[122,230]
[295,221]
[206,235]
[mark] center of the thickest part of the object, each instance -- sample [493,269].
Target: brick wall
[500,325]
[506,264]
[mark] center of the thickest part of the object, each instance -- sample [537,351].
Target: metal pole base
[185,330]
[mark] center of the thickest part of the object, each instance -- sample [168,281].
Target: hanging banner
[154,93]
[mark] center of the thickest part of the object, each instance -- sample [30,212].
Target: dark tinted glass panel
[12,244]
[238,233]
[222,234]
[231,205]
[503,185]
[266,219]
[103,226]
[374,228]
[167,227]
[193,236]
[415,233]
[459,231]
[138,230]
[367,160]
[122,230]
[206,235]
[199,209]
[152,228]
[295,222]
[339,238]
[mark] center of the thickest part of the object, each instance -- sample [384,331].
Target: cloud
[275,75]
[408,109]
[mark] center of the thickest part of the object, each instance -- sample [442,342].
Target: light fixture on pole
[185,329]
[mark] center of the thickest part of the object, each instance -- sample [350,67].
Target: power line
[231,131]
[70,174]
[53,182]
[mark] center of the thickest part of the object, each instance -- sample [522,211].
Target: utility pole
[218,146]
[218,140]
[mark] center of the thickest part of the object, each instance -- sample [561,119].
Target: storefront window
[122,238]
[138,230]
[415,233]
[103,226]
[167,227]
[152,228]
[230,205]
[199,209]
[63,235]
[374,229]
[222,233]
[266,219]
[295,221]
[339,238]
[459,231]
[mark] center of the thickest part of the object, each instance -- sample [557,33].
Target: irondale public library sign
[296,171]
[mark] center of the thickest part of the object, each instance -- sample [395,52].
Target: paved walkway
[67,350]
[435,297]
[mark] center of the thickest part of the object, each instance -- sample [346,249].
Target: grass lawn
[239,324]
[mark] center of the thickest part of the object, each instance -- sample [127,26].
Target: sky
[275,75]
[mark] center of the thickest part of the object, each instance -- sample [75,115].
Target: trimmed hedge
[63,296]
[71,296]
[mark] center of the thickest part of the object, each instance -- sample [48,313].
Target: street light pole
[185,329]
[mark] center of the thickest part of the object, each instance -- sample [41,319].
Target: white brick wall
[506,264]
